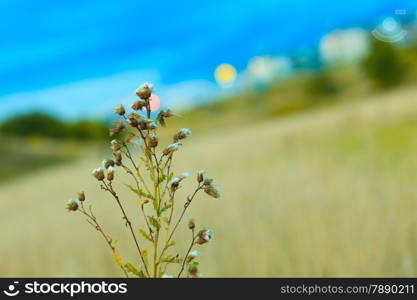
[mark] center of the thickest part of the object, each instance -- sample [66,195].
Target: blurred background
[305,112]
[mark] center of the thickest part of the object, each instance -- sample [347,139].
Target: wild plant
[154,185]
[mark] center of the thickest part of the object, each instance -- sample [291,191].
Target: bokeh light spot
[154,102]
[225,73]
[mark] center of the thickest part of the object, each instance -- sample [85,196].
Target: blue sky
[80,58]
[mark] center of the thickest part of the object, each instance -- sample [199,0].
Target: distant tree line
[48,126]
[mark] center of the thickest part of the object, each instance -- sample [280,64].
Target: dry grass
[326,193]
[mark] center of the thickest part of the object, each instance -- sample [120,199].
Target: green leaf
[194,264]
[145,235]
[171,259]
[162,178]
[154,222]
[141,274]
[171,243]
[168,259]
[145,256]
[165,208]
[139,192]
[131,269]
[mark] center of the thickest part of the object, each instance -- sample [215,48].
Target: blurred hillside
[24,146]
[386,66]
[325,192]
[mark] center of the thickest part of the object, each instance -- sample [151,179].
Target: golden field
[328,192]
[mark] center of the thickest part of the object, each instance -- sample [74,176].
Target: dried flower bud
[152,140]
[120,110]
[131,138]
[175,182]
[107,163]
[162,115]
[193,254]
[171,148]
[207,181]
[152,125]
[119,125]
[72,205]
[139,104]
[191,224]
[81,196]
[133,122]
[182,134]
[167,113]
[200,176]
[115,146]
[98,173]
[193,272]
[212,191]
[110,173]
[117,157]
[204,236]
[144,91]
[134,115]
[147,124]
[114,131]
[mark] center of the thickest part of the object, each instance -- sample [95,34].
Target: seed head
[193,272]
[114,131]
[81,196]
[212,191]
[98,173]
[182,134]
[144,91]
[117,157]
[205,236]
[171,148]
[193,254]
[207,181]
[119,125]
[72,205]
[162,115]
[134,115]
[120,110]
[191,224]
[110,173]
[132,139]
[175,182]
[115,146]
[152,140]
[107,163]
[133,122]
[143,124]
[200,175]
[139,104]
[152,125]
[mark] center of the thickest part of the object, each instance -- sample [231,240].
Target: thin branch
[91,219]
[188,252]
[140,197]
[109,188]
[186,205]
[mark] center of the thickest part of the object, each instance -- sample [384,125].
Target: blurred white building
[264,69]
[340,46]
